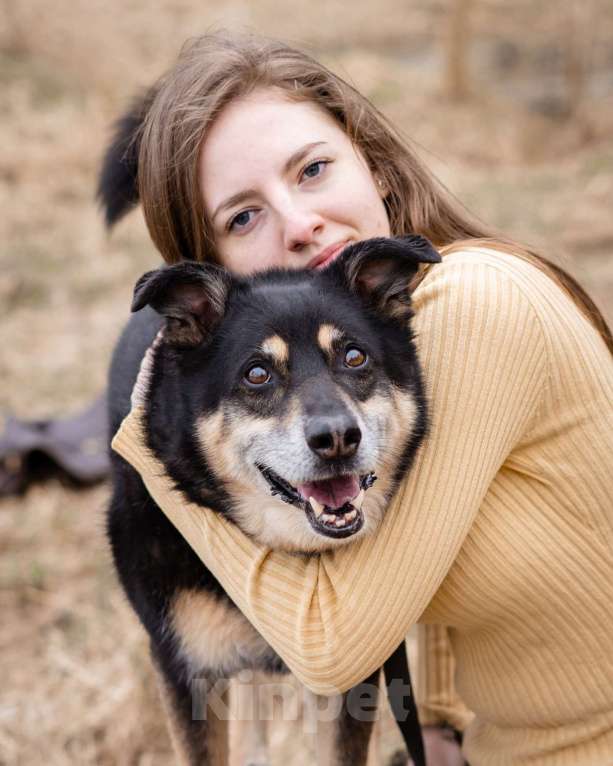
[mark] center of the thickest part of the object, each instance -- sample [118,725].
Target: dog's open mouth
[333,506]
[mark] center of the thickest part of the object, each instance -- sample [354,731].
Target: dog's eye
[354,357]
[257,375]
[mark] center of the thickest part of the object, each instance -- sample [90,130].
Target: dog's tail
[117,190]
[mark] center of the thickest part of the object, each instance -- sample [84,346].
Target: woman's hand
[442,748]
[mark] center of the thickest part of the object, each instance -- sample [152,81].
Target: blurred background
[511,104]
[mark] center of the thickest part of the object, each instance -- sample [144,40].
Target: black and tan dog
[292,403]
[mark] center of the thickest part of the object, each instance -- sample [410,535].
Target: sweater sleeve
[335,617]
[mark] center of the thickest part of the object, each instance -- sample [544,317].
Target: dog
[292,403]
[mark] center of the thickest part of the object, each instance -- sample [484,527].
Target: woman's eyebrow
[235,199]
[292,160]
[300,154]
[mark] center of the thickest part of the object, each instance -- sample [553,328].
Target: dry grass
[76,681]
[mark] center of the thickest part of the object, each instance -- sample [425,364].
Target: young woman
[501,540]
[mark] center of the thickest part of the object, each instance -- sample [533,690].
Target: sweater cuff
[438,701]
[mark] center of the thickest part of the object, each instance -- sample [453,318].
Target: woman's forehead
[271,107]
[254,136]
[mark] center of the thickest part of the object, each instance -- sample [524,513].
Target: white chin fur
[285,527]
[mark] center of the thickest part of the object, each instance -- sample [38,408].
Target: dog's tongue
[331,492]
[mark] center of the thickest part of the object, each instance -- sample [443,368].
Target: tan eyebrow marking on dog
[327,335]
[277,348]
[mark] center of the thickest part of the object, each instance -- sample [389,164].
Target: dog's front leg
[344,723]
[197,715]
[253,712]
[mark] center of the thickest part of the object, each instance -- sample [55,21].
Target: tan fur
[332,745]
[175,726]
[293,411]
[253,712]
[212,634]
[403,420]
[217,741]
[212,741]
[219,448]
[276,348]
[211,433]
[222,437]
[327,336]
[398,411]
[211,428]
[322,713]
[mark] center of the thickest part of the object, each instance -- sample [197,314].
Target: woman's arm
[335,618]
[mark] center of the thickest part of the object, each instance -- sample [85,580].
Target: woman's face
[284,186]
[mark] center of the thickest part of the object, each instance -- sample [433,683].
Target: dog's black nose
[333,437]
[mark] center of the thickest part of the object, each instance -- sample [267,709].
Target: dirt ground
[77,687]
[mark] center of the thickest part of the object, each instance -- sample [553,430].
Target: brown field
[76,683]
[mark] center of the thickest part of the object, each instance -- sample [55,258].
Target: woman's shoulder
[482,278]
[475,291]
[478,289]
[471,262]
[479,279]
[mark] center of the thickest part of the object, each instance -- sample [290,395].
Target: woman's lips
[327,256]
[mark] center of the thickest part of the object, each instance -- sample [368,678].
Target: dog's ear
[380,270]
[117,190]
[191,296]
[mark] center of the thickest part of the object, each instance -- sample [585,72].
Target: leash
[402,703]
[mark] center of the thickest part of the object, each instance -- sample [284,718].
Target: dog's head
[292,401]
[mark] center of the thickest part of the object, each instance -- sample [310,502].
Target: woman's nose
[301,228]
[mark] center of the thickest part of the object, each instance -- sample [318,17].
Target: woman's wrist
[446,727]
[442,744]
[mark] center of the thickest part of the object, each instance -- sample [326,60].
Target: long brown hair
[215,69]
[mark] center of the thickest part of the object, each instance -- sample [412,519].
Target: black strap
[402,702]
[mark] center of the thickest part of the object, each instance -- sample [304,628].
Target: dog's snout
[333,437]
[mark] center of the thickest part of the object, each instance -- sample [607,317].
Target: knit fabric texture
[499,542]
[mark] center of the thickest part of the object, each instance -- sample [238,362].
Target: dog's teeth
[340,522]
[317,507]
[328,517]
[357,503]
[351,515]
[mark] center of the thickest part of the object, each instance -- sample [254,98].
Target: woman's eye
[257,375]
[241,220]
[315,169]
[354,357]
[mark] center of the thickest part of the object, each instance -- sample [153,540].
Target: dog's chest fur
[212,635]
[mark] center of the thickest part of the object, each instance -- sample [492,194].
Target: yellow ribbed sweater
[503,531]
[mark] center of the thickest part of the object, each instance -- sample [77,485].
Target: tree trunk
[457,84]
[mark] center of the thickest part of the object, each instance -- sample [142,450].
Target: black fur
[118,181]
